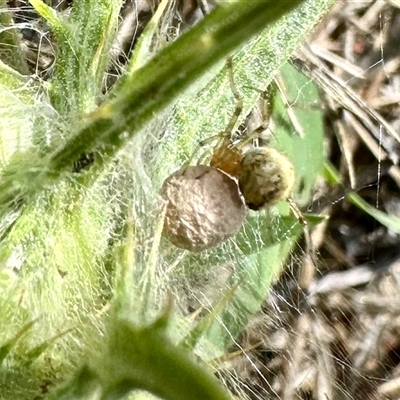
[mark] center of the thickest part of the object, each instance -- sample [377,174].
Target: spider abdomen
[265,177]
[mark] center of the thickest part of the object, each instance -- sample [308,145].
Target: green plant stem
[143,358]
[156,365]
[149,89]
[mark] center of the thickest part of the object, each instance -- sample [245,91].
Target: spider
[265,176]
[203,209]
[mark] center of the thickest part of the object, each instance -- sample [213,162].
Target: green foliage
[298,130]
[390,221]
[143,358]
[260,250]
[82,254]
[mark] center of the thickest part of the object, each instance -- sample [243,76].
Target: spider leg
[200,145]
[261,114]
[310,260]
[239,101]
[223,139]
[279,83]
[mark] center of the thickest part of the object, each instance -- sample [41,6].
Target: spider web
[334,337]
[326,330]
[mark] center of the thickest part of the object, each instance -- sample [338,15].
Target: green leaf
[299,130]
[143,358]
[390,221]
[8,346]
[259,252]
